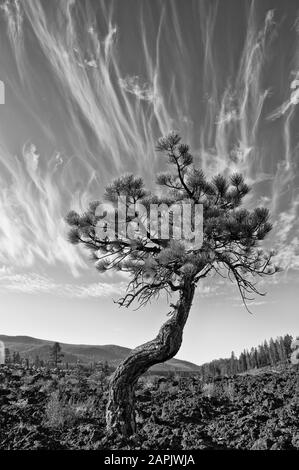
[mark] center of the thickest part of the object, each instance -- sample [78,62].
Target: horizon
[237,354]
[89,89]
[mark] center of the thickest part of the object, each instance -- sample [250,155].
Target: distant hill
[29,347]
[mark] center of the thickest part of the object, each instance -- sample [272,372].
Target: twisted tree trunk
[120,414]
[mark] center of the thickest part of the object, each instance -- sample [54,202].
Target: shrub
[219,390]
[209,390]
[55,413]
[60,412]
[229,390]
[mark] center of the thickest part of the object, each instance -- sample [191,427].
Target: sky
[89,88]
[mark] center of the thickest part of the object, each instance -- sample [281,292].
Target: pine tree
[267,354]
[55,354]
[7,356]
[256,358]
[243,364]
[280,347]
[273,353]
[253,358]
[287,340]
[157,264]
[233,363]
[16,358]
[248,360]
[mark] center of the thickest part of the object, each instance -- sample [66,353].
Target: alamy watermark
[123,220]
[295,354]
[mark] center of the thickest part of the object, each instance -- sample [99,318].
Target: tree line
[266,354]
[54,359]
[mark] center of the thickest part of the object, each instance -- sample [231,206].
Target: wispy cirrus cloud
[34,283]
[252,304]
[285,238]
[134,85]
[114,92]
[32,210]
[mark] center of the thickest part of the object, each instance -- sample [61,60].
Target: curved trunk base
[120,414]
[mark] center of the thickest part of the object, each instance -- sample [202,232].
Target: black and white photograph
[149,228]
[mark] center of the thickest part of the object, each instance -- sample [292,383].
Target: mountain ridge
[29,347]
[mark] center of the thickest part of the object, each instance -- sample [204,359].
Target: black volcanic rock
[56,409]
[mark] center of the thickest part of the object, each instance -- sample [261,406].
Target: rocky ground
[42,409]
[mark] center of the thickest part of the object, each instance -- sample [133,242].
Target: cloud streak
[106,85]
[34,283]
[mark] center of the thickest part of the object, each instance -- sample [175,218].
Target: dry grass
[219,390]
[60,412]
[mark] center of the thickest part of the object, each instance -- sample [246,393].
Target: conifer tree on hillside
[55,354]
[287,340]
[273,352]
[231,247]
[233,363]
[281,351]
[16,358]
[8,358]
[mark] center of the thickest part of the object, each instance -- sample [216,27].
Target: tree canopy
[231,234]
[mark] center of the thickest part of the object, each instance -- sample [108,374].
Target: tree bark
[120,414]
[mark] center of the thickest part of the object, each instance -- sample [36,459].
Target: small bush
[60,412]
[219,390]
[229,390]
[209,390]
[55,413]
[147,382]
